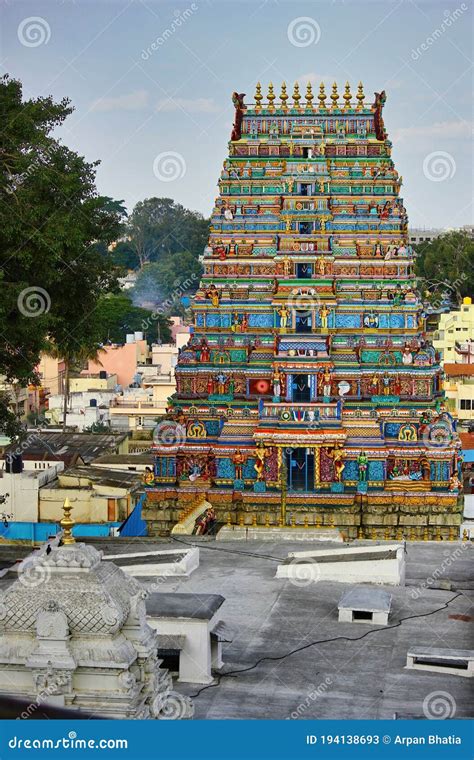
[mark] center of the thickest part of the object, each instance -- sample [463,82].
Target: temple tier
[308,392]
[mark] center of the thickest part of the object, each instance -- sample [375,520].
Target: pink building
[121,360]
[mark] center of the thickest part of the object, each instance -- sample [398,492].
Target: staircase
[185,524]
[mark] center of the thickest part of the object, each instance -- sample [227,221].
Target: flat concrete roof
[366,598]
[276,623]
[177,605]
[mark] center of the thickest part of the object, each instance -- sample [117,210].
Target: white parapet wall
[359,564]
[260,533]
[165,563]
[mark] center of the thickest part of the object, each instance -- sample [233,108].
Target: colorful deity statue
[284,313]
[261,454]
[276,381]
[213,295]
[238,461]
[337,454]
[363,465]
[323,316]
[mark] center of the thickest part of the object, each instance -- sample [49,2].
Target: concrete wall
[23,492]
[121,361]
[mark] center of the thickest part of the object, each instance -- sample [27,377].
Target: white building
[20,490]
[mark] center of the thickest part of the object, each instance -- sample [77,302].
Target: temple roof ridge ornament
[351,102]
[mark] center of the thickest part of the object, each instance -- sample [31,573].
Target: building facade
[308,389]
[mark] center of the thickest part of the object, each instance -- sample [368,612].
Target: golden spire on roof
[258,96]
[360,97]
[309,97]
[283,96]
[322,96]
[270,97]
[334,95]
[296,95]
[347,96]
[66,524]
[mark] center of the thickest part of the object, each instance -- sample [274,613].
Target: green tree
[446,264]
[52,224]
[117,316]
[159,227]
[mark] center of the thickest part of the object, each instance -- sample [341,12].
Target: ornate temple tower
[308,387]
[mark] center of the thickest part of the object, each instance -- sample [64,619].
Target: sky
[151,84]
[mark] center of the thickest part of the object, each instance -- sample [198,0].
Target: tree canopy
[117,316]
[52,221]
[158,229]
[446,265]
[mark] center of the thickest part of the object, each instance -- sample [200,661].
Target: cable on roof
[233,673]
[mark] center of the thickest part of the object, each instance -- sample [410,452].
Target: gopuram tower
[308,392]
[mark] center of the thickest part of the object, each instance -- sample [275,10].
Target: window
[466,404]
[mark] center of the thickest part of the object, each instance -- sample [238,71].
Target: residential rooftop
[350,673]
[291,658]
[68,447]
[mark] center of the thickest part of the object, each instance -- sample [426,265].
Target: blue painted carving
[249,469]
[397,320]
[225,468]
[376,470]
[348,320]
[351,470]
[261,320]
[213,320]
[212,427]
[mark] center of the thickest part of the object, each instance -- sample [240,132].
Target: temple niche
[73,633]
[309,337]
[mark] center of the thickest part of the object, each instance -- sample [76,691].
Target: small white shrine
[73,633]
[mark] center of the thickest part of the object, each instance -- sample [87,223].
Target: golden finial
[322,96]
[360,96]
[258,96]
[283,96]
[296,95]
[347,96]
[66,524]
[334,95]
[270,97]
[309,97]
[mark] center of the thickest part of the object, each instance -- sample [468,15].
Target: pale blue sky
[132,105]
